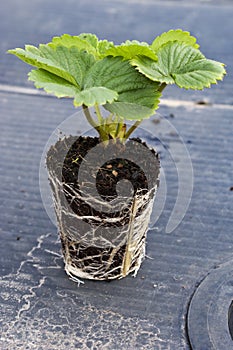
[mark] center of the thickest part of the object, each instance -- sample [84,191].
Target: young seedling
[127,79]
[100,239]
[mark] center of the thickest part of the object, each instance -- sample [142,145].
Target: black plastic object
[210,315]
[230,319]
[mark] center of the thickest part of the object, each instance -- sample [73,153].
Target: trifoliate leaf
[53,84]
[120,76]
[68,63]
[130,50]
[95,95]
[174,35]
[181,64]
[132,87]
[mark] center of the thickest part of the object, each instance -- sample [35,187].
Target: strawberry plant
[101,238]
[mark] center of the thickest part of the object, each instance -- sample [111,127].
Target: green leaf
[103,46]
[152,70]
[130,111]
[90,38]
[130,50]
[53,84]
[68,63]
[95,95]
[131,86]
[174,35]
[61,88]
[200,74]
[72,60]
[40,61]
[33,49]
[69,72]
[148,98]
[85,41]
[118,75]
[181,64]
[138,97]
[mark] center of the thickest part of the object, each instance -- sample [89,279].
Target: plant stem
[102,134]
[118,128]
[138,122]
[132,128]
[162,87]
[89,117]
[98,113]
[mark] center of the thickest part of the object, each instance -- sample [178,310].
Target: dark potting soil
[105,167]
[105,174]
[66,157]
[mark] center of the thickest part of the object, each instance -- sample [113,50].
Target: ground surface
[40,307]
